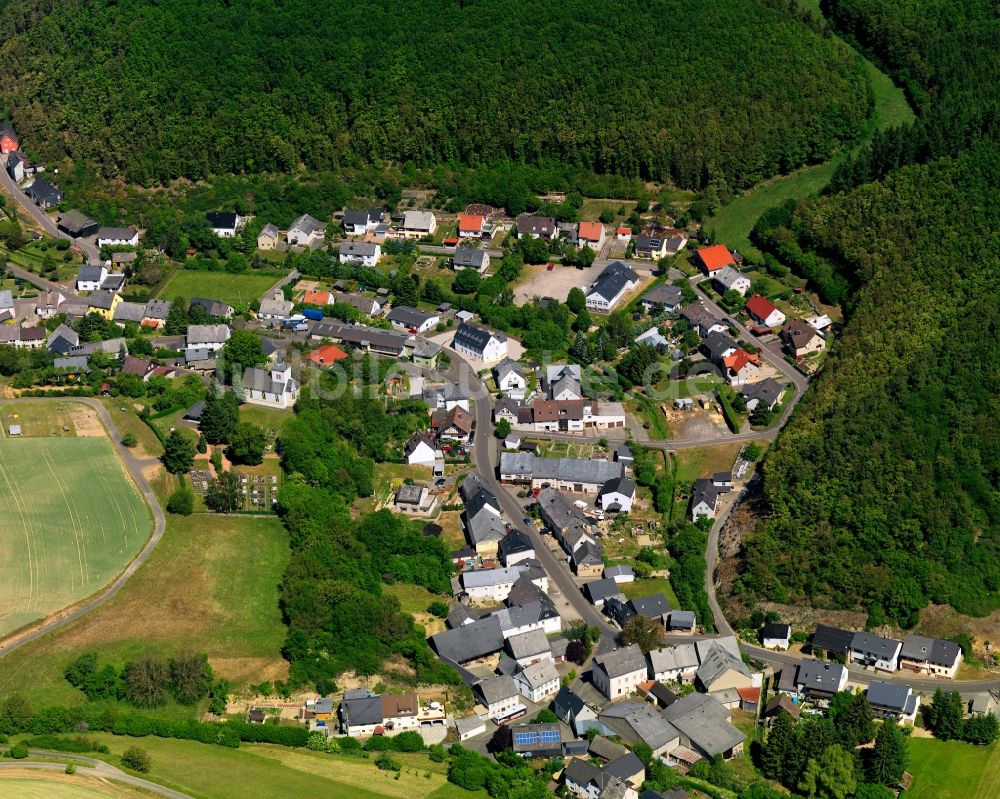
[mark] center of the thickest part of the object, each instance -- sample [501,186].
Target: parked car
[527,520]
[440,482]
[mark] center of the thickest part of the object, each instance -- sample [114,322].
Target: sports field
[231,289]
[72,520]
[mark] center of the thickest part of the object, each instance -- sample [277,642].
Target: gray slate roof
[622,661]
[467,256]
[474,337]
[888,694]
[567,469]
[705,722]
[496,689]
[470,641]
[819,676]
[613,279]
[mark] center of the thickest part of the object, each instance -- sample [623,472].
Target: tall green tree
[177,318]
[777,748]
[178,453]
[576,300]
[244,347]
[854,721]
[220,417]
[247,444]
[831,776]
[890,755]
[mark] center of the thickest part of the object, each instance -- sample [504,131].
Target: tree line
[725,90]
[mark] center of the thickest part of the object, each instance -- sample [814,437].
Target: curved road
[134,467]
[42,219]
[98,769]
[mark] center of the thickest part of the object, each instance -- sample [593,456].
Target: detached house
[611,285]
[388,714]
[9,140]
[618,673]
[469,258]
[421,450]
[570,708]
[538,681]
[801,339]
[203,341]
[704,726]
[663,295]
[704,498]
[764,312]
[305,231]
[674,663]
[117,237]
[776,636]
[267,239]
[741,367]
[89,277]
[819,680]
[767,391]
[510,379]
[499,696]
[44,194]
[75,224]
[591,234]
[869,649]
[892,701]
[275,307]
[730,279]
[480,343]
[409,318]
[362,252]
[224,224]
[358,223]
[418,224]
[714,258]
[16,164]
[539,227]
[617,495]
[471,226]
[930,656]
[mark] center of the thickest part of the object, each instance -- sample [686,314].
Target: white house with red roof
[471,226]
[741,367]
[764,312]
[591,234]
[714,258]
[623,233]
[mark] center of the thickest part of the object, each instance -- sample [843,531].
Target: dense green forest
[725,91]
[882,492]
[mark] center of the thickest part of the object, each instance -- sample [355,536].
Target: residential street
[42,219]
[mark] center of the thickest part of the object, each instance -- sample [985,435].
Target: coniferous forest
[724,91]
[882,492]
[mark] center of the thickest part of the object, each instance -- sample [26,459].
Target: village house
[89,277]
[358,223]
[62,340]
[817,679]
[516,547]
[730,279]
[47,304]
[674,663]
[636,722]
[617,495]
[203,341]
[714,258]
[478,342]
[570,709]
[362,337]
[586,781]
[117,237]
[417,225]
[587,560]
[16,166]
[741,367]
[9,140]
[510,379]
[491,586]
[499,697]
[767,391]
[591,234]
[570,416]
[704,725]
[529,648]
[103,303]
[267,239]
[721,667]
[275,307]
[893,701]
[702,320]
[415,500]
[421,450]
[409,318]
[704,498]
[214,308]
[369,306]
[828,641]
[272,388]
[454,426]
[537,681]
[612,284]
[388,714]
[224,224]
[662,295]
[23,338]
[801,339]
[471,258]
[539,227]
[363,252]
[616,674]
[621,574]
[44,194]
[129,312]
[75,224]
[326,356]
[930,656]
[776,636]
[682,621]
[868,649]
[305,232]
[472,226]
[600,592]
[569,526]
[155,312]
[568,474]
[764,312]
[484,530]
[653,338]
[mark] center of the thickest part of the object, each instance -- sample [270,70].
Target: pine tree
[581,349]
[945,715]
[775,752]
[855,723]
[177,318]
[890,755]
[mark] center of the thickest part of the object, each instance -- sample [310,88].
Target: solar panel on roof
[550,736]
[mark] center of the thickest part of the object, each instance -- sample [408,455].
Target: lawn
[128,421]
[648,586]
[733,222]
[652,417]
[73,521]
[43,419]
[214,772]
[705,461]
[953,770]
[211,585]
[57,786]
[232,289]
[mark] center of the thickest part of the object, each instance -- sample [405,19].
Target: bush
[388,763]
[137,759]
[19,751]
[181,502]
[129,440]
[70,768]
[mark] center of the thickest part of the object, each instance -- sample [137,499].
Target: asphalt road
[37,281]
[42,219]
[134,466]
[93,768]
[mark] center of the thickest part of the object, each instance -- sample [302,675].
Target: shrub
[129,440]
[19,751]
[181,502]
[387,763]
[137,759]
[70,768]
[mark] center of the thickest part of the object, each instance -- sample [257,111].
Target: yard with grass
[73,518]
[648,586]
[240,289]
[651,416]
[35,785]
[211,585]
[216,772]
[953,770]
[733,222]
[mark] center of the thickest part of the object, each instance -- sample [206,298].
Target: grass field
[222,286]
[647,586]
[58,786]
[733,222]
[953,770]
[264,772]
[211,585]
[73,521]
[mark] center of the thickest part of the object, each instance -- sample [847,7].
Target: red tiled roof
[317,297]
[624,231]
[716,257]
[591,231]
[739,359]
[325,355]
[470,222]
[760,307]
[749,694]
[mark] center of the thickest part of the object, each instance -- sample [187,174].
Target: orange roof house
[591,232]
[740,358]
[470,224]
[326,355]
[715,257]
[317,297]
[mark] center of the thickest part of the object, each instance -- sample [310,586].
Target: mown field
[72,521]
[211,585]
[953,770]
[56,786]
[222,286]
